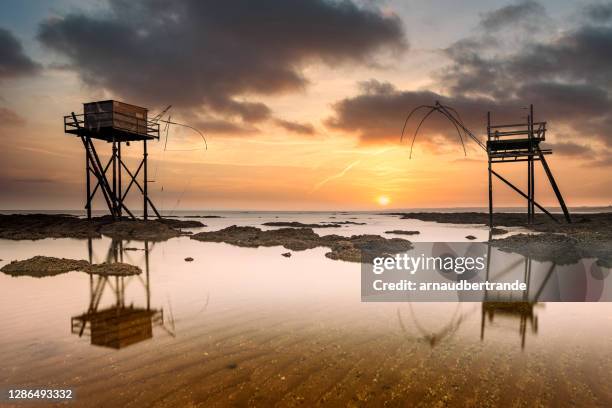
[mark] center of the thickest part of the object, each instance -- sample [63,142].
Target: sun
[383,200]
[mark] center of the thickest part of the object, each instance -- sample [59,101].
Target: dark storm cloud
[599,12]
[296,127]
[222,127]
[568,78]
[378,113]
[213,53]
[578,55]
[525,11]
[13,61]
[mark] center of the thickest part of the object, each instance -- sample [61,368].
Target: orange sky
[273,169]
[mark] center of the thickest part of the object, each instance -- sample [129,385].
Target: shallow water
[247,326]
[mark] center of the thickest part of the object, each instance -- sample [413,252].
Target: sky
[302,102]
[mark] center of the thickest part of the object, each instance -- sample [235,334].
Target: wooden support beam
[88,188]
[96,166]
[553,183]
[133,176]
[544,210]
[146,182]
[119,198]
[103,172]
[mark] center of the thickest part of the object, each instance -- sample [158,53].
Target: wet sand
[310,358]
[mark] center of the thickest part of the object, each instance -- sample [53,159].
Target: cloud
[214,54]
[296,127]
[599,12]
[524,12]
[377,114]
[570,149]
[13,61]
[567,77]
[10,118]
[219,126]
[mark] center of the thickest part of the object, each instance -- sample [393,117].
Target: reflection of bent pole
[543,285]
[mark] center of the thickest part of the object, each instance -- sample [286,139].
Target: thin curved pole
[417,129]
[458,132]
[452,115]
[189,127]
[458,119]
[409,115]
[435,109]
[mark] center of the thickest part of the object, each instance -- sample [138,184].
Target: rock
[286,254]
[298,239]
[295,224]
[588,235]
[189,259]
[402,232]
[470,237]
[40,226]
[41,266]
[542,247]
[156,230]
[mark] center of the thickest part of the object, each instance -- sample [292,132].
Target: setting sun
[383,200]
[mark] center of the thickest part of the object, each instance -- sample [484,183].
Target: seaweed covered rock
[41,266]
[40,226]
[559,248]
[299,239]
[402,232]
[296,224]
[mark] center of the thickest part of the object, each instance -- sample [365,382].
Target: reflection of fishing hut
[523,311]
[510,305]
[119,324]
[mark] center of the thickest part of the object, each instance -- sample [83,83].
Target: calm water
[249,327]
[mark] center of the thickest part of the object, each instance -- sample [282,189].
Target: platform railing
[117,120]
